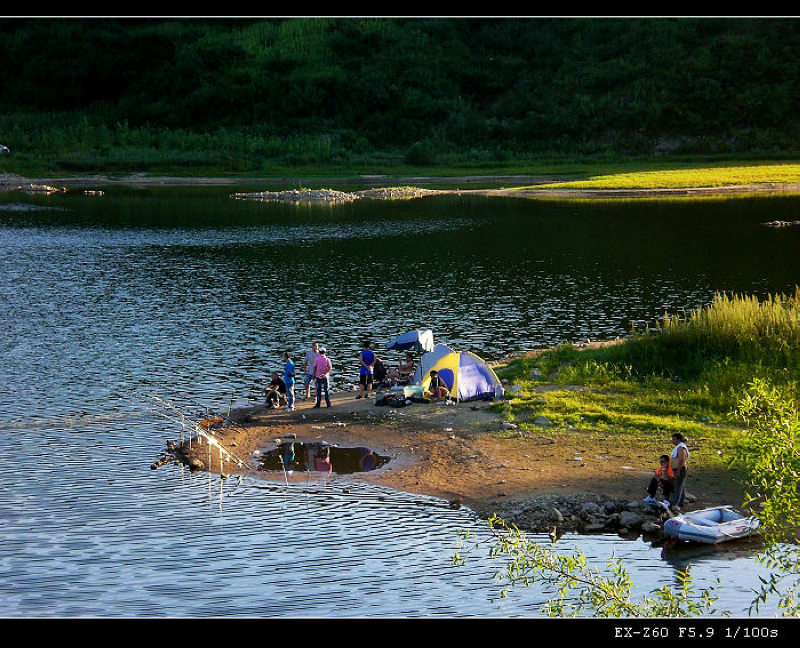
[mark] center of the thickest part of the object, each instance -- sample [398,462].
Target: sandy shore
[463,454]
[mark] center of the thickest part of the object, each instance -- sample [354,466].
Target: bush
[420,154]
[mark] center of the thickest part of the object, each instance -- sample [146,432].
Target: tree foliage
[581,589]
[772,460]
[521,85]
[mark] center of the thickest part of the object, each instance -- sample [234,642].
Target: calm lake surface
[192,295]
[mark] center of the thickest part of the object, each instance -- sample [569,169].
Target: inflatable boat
[711,525]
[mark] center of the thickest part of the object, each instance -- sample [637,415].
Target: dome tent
[467,376]
[429,359]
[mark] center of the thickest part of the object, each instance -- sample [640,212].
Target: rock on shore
[584,513]
[10,182]
[332,196]
[779,223]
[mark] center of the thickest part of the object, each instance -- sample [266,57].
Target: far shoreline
[512,186]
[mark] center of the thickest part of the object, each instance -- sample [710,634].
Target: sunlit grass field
[685,374]
[711,176]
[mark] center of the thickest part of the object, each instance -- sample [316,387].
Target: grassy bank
[685,375]
[689,177]
[120,151]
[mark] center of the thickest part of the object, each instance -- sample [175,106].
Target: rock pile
[9,182]
[333,196]
[397,193]
[586,514]
[778,223]
[299,196]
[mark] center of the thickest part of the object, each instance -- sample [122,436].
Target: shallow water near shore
[193,296]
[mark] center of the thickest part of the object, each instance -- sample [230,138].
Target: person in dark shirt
[379,374]
[437,388]
[275,392]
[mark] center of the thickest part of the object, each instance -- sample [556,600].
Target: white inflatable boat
[711,525]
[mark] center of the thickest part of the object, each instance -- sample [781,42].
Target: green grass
[72,143]
[735,333]
[693,176]
[686,375]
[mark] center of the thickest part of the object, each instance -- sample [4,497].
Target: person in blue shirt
[366,361]
[288,378]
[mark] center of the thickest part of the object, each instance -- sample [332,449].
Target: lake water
[191,295]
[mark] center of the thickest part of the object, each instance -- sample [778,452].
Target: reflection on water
[321,457]
[195,297]
[685,554]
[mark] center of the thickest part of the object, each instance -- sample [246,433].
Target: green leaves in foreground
[581,589]
[771,457]
[773,462]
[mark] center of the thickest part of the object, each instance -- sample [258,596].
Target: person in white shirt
[679,460]
[311,358]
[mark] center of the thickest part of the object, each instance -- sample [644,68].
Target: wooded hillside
[425,87]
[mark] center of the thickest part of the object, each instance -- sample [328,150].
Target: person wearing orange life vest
[663,477]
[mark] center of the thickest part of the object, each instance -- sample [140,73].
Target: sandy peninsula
[467,455]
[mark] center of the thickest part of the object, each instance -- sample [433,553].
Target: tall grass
[740,325]
[706,176]
[704,358]
[732,329]
[687,374]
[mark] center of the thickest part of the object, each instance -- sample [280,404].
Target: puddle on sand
[321,457]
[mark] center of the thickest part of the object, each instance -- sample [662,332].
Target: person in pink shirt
[322,367]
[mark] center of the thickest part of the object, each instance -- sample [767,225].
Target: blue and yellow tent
[427,361]
[467,376]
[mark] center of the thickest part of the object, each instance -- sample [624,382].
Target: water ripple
[196,301]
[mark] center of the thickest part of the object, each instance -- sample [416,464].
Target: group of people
[371,369]
[670,476]
[317,368]
[372,372]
